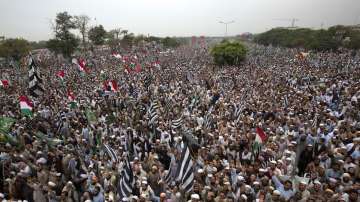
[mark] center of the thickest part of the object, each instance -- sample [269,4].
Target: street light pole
[226,25]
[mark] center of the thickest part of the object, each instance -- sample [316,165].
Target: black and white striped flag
[127,181]
[35,82]
[286,102]
[177,123]
[110,151]
[169,177]
[208,121]
[185,173]
[152,113]
[60,121]
[237,112]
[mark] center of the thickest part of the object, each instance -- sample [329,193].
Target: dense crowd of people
[308,109]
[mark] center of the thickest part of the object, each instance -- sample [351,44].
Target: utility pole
[291,20]
[226,25]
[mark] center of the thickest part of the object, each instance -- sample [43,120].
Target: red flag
[4,83]
[110,86]
[61,74]
[261,136]
[70,95]
[138,68]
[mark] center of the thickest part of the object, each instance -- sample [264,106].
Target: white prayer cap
[333,180]
[51,184]
[200,170]
[277,192]
[41,160]
[195,196]
[244,196]
[354,99]
[303,182]
[240,178]
[262,170]
[346,175]
[317,182]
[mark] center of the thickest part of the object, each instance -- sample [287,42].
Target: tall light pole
[226,25]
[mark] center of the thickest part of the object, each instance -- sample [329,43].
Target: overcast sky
[30,18]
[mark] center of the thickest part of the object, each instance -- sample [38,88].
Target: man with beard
[98,195]
[305,158]
[285,189]
[304,193]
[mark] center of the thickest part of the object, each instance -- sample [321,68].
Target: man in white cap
[285,189]
[275,196]
[302,188]
[194,198]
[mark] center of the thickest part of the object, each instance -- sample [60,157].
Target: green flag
[90,115]
[51,142]
[5,124]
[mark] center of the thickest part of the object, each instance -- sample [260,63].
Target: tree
[64,42]
[81,23]
[228,53]
[14,48]
[97,35]
[127,41]
[38,45]
[169,42]
[322,41]
[124,32]
[115,33]
[139,39]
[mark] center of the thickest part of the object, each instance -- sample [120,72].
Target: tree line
[319,40]
[66,42]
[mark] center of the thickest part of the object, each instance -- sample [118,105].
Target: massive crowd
[308,108]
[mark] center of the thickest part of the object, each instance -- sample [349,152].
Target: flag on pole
[81,64]
[185,172]
[61,74]
[177,123]
[26,106]
[260,136]
[4,83]
[90,115]
[110,151]
[157,64]
[110,86]
[138,68]
[259,141]
[127,180]
[71,98]
[153,114]
[5,124]
[35,80]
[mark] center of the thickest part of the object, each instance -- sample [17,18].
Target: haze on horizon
[31,19]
